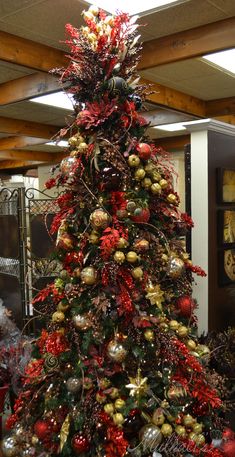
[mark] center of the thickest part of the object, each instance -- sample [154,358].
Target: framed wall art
[226,227]
[226,185]
[226,266]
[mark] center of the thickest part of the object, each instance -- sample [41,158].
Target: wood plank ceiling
[175,39]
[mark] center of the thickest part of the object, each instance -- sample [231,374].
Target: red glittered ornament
[80,443]
[229,448]
[42,429]
[74,257]
[144,151]
[185,305]
[141,215]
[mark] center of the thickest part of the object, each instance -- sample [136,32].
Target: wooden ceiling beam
[163,116]
[13,164]
[174,99]
[21,154]
[29,53]
[229,119]
[188,44]
[28,128]
[220,107]
[17,142]
[174,142]
[27,87]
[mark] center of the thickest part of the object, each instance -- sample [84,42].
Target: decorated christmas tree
[119,370]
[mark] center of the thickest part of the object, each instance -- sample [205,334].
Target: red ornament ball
[141,215]
[185,305]
[42,429]
[229,448]
[80,443]
[144,151]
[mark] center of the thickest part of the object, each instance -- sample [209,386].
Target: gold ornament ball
[140,174]
[156,176]
[82,147]
[149,168]
[150,436]
[158,417]
[141,245]
[119,403]
[94,238]
[175,267]
[156,188]
[133,160]
[62,306]
[188,420]
[100,219]
[146,183]
[191,345]
[116,351]
[197,428]
[200,441]
[171,198]
[114,393]
[149,336]
[118,419]
[180,430]
[137,273]
[182,331]
[174,325]
[119,257]
[73,141]
[131,257]
[122,243]
[81,322]
[109,408]
[9,446]
[166,429]
[89,276]
[58,316]
[163,183]
[193,436]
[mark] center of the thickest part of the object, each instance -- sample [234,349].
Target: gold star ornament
[155,295]
[138,385]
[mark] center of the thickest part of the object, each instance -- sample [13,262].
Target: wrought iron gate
[25,248]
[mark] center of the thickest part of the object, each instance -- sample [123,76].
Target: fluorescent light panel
[224,60]
[61,144]
[176,127]
[132,6]
[58,99]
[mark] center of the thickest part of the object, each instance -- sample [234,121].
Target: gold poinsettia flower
[155,295]
[138,385]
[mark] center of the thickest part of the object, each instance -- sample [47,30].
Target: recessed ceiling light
[58,99]
[176,127]
[61,144]
[132,6]
[224,60]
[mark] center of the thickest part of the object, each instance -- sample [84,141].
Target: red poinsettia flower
[96,113]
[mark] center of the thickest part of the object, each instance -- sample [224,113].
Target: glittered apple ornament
[80,443]
[144,151]
[185,306]
[141,215]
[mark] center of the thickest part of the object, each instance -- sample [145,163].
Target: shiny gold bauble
[150,436]
[193,436]
[141,245]
[94,237]
[200,441]
[58,316]
[116,351]
[188,420]
[119,257]
[119,403]
[122,243]
[118,419]
[149,168]
[163,183]
[174,325]
[67,166]
[62,306]
[131,257]
[164,404]
[81,322]
[182,331]
[191,345]
[114,393]
[146,183]
[82,147]
[156,188]
[203,350]
[166,429]
[137,273]
[100,219]
[9,446]
[158,417]
[197,428]
[133,160]
[109,408]
[77,272]
[73,385]
[73,141]
[149,336]
[171,198]
[156,176]
[180,430]
[89,276]
[175,267]
[140,174]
